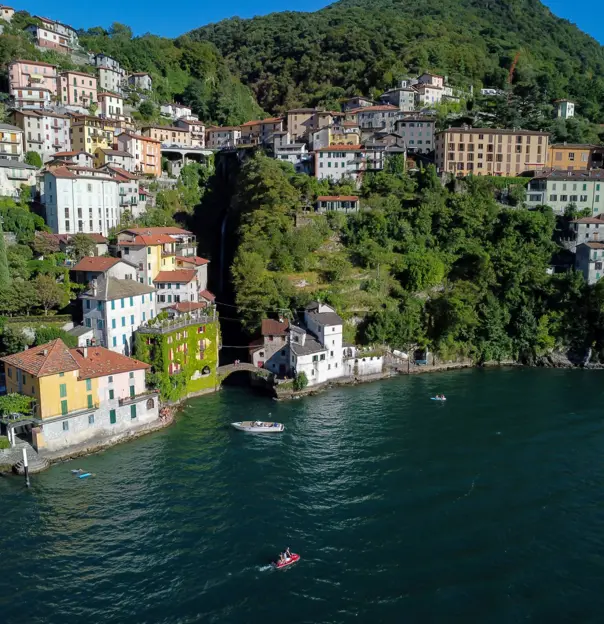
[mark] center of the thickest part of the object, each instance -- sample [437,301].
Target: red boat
[283,564]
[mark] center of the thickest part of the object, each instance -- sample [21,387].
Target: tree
[15,403]
[46,334]
[33,158]
[147,109]
[82,246]
[45,245]
[4,274]
[13,341]
[50,293]
[300,381]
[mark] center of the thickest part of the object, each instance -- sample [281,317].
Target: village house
[130,196]
[176,111]
[356,102]
[44,132]
[575,156]
[110,105]
[417,132]
[118,158]
[341,133]
[223,137]
[196,130]
[402,97]
[79,199]
[302,122]
[271,351]
[197,264]
[374,118]
[93,267]
[77,158]
[14,175]
[295,153]
[168,135]
[428,94]
[260,131]
[337,203]
[490,151]
[53,35]
[89,133]
[103,60]
[11,142]
[588,229]
[115,308]
[588,259]
[80,395]
[76,89]
[32,84]
[110,80]
[6,12]
[145,150]
[141,80]
[565,109]
[350,162]
[176,286]
[559,189]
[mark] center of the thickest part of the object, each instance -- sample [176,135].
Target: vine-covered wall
[195,375]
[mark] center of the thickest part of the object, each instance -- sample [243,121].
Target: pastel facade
[77,89]
[565,109]
[14,175]
[6,12]
[340,162]
[176,286]
[145,150]
[272,350]
[110,79]
[490,151]
[260,131]
[80,395]
[111,105]
[44,132]
[32,84]
[78,199]
[11,142]
[117,158]
[176,111]
[89,133]
[559,189]
[223,137]
[196,130]
[168,135]
[574,156]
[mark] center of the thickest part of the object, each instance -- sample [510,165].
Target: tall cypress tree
[4,274]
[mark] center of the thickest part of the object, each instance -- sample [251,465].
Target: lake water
[489,508]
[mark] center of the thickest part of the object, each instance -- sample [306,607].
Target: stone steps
[34,461]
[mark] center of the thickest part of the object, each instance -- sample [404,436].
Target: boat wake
[265,568]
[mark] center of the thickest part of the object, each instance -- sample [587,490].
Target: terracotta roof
[206,294]
[169,229]
[589,220]
[100,362]
[33,63]
[340,148]
[188,306]
[153,239]
[222,128]
[114,152]
[262,121]
[115,95]
[270,327]
[97,238]
[96,263]
[180,276]
[338,198]
[121,172]
[78,73]
[59,154]
[586,146]
[493,131]
[62,172]
[160,127]
[383,107]
[196,260]
[140,74]
[593,245]
[47,359]
[138,136]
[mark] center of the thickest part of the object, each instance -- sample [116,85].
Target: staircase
[34,461]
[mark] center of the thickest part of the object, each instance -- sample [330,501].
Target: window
[99,324]
[123,304]
[583,198]
[573,198]
[132,319]
[110,379]
[553,198]
[63,390]
[571,156]
[65,425]
[123,321]
[563,198]
[131,375]
[64,408]
[132,392]
[133,411]
[89,385]
[114,341]
[91,419]
[322,357]
[113,305]
[88,323]
[112,418]
[111,393]
[89,398]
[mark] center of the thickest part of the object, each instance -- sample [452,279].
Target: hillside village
[81,169]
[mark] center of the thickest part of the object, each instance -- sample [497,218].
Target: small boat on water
[438,398]
[258,426]
[288,561]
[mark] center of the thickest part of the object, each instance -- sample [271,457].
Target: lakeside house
[271,351]
[80,395]
[92,267]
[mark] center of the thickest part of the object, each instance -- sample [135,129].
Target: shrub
[4,443]
[301,381]
[46,334]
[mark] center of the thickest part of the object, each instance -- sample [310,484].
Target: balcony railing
[9,140]
[167,326]
[17,175]
[129,400]
[32,140]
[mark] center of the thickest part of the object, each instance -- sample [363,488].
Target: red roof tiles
[196,260]
[51,358]
[99,362]
[180,276]
[96,263]
[271,327]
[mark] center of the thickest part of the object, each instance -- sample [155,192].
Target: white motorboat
[258,426]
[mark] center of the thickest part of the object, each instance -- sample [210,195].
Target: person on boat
[281,557]
[288,554]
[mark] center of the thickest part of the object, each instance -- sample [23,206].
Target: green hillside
[364,46]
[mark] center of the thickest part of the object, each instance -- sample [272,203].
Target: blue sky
[161,18]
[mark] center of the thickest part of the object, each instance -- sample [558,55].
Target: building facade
[89,133]
[14,175]
[168,135]
[111,105]
[565,109]
[141,81]
[11,142]
[77,89]
[145,150]
[110,80]
[223,137]
[589,259]
[559,189]
[44,132]
[32,84]
[374,118]
[490,151]
[575,156]
[272,350]
[196,130]
[417,132]
[260,131]
[337,203]
[117,158]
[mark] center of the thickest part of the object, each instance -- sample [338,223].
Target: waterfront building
[490,151]
[182,349]
[271,350]
[81,394]
[115,308]
[44,132]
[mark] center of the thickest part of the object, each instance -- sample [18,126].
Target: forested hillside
[364,46]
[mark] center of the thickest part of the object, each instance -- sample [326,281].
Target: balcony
[17,175]
[167,326]
[32,140]
[129,400]
[8,139]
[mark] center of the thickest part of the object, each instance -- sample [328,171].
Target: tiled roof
[113,152]
[110,288]
[593,245]
[180,276]
[262,121]
[100,362]
[196,260]
[338,198]
[59,154]
[207,295]
[378,108]
[33,63]
[115,95]
[47,359]
[340,148]
[270,327]
[158,230]
[493,131]
[187,306]
[97,238]
[96,263]
[323,318]
[154,239]
[61,172]
[589,220]
[160,127]
[138,136]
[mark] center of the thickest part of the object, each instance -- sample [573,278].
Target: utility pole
[25,467]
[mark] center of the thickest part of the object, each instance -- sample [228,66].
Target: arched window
[150,404]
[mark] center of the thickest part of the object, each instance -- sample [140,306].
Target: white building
[92,267]
[44,132]
[402,97]
[295,153]
[428,93]
[111,106]
[141,80]
[115,308]
[102,60]
[558,189]
[11,142]
[79,199]
[177,286]
[565,109]
[110,80]
[340,162]
[6,12]
[417,132]
[79,159]
[375,118]
[222,137]
[13,175]
[176,111]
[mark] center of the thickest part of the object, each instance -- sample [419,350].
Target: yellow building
[79,394]
[574,157]
[89,133]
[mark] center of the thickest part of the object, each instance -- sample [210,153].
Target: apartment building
[401,97]
[417,131]
[490,151]
[260,131]
[77,89]
[79,199]
[53,35]
[89,133]
[196,130]
[81,394]
[11,142]
[341,133]
[110,79]
[115,308]
[168,135]
[145,150]
[93,267]
[103,60]
[14,175]
[559,189]
[574,156]
[223,137]
[340,162]
[32,84]
[111,105]
[141,81]
[44,132]
[374,118]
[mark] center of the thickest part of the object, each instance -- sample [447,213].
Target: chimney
[85,352]
[45,352]
[93,287]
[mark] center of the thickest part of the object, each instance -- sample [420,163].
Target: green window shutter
[111,394]
[90,404]
[133,411]
[132,393]
[63,390]
[112,418]
[64,408]
[89,385]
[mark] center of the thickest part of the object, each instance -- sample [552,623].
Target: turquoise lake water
[489,508]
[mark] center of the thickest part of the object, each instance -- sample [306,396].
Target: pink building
[32,84]
[77,89]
